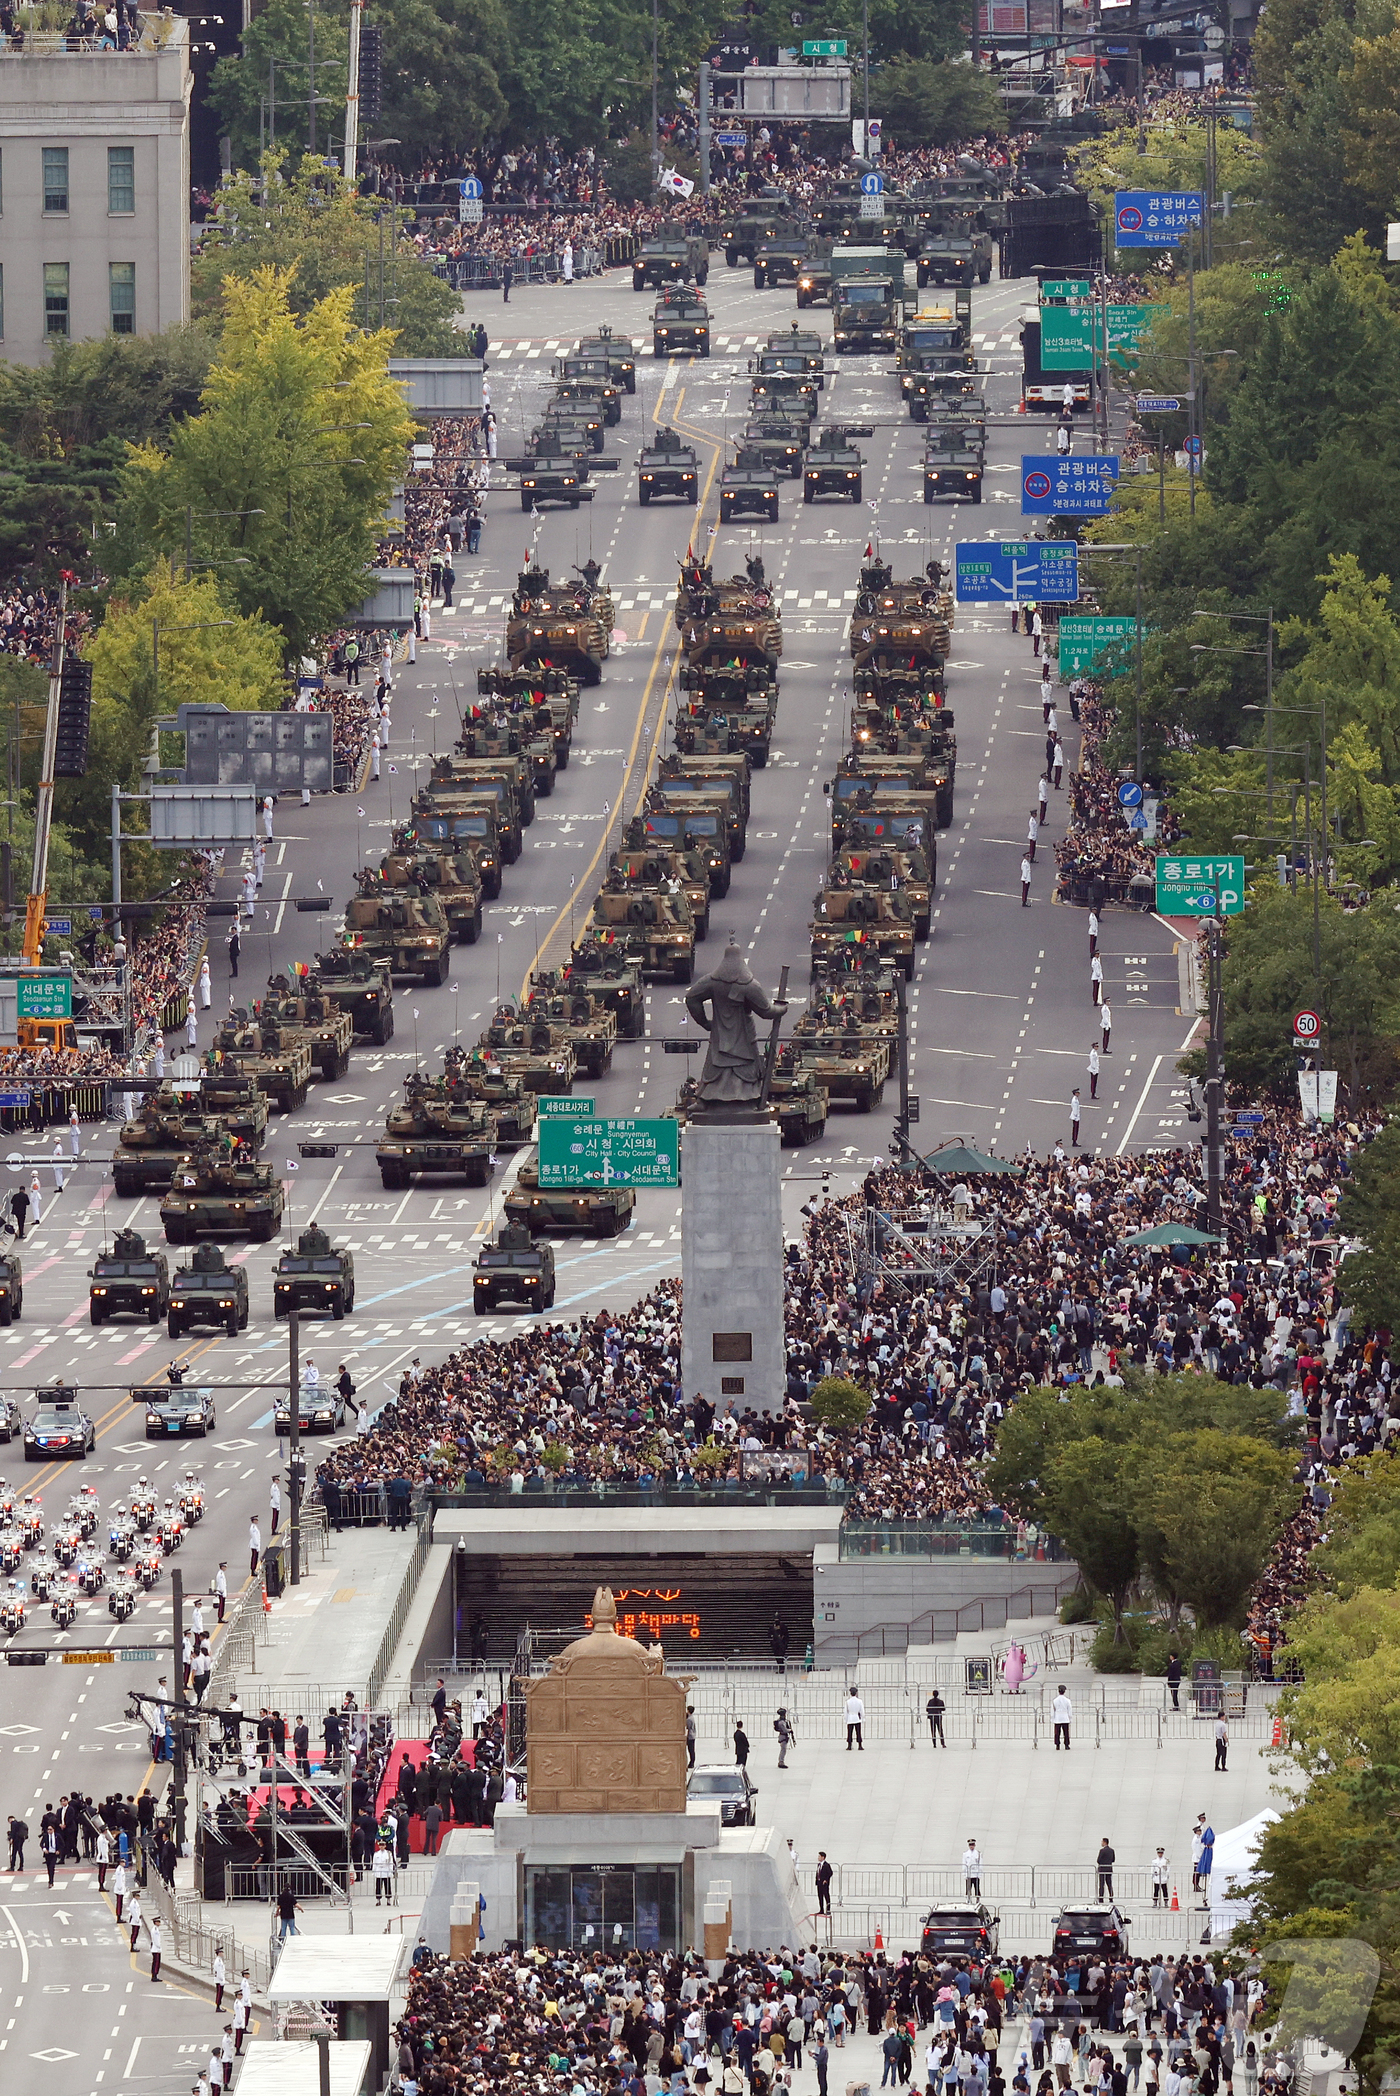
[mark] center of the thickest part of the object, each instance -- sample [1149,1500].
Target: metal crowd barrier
[55,1102]
[483,272]
[361,1509]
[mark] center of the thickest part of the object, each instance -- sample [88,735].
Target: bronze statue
[732,1079]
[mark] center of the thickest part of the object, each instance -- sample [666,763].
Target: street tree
[1207,1507]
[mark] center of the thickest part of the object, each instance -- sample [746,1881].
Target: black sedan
[319,1411]
[57,1430]
[178,1411]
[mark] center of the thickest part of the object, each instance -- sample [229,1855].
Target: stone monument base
[732,1265]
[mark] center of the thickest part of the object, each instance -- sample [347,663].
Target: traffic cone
[1276,1739]
[879,1940]
[1176,1903]
[267,1603]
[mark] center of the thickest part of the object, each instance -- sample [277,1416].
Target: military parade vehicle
[699,596]
[590,1029]
[174,1410]
[473,1073]
[487,754]
[618,352]
[551,477]
[662,259]
[454,797]
[797,1099]
[655,926]
[781,384]
[957,249]
[207,1292]
[129,1281]
[700,832]
[881,921]
[779,259]
[588,382]
[434,1134]
[467,824]
[226,1094]
[803,344]
[668,467]
[513,1270]
[681,325]
[280,1070]
[149,1148]
[603,1210]
[359,983]
[317,1276]
[550,693]
[748,488]
[611,983]
[729,707]
[528,734]
[738,637]
[222,1195]
[770,214]
[953,470]
[305,1015]
[644,861]
[453,877]
[408,931]
[569,426]
[887,860]
[780,440]
[813,279]
[846,1063]
[565,626]
[833,465]
[537,1051]
[714,774]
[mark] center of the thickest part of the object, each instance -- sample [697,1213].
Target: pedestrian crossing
[526,350]
[647,601]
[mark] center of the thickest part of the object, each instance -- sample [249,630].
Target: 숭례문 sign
[1084,643]
[609,1153]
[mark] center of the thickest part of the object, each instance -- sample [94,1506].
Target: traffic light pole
[43,804]
[177,1730]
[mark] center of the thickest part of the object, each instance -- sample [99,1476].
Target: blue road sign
[471,189]
[1155,404]
[1249,1120]
[1080,486]
[59,927]
[1192,444]
[14,1100]
[1016,571]
[871,185]
[1130,794]
[729,138]
[1155,217]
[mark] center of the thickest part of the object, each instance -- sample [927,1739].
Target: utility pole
[1214,1072]
[703,104]
[311,81]
[177,1781]
[296,1462]
[352,91]
[655,125]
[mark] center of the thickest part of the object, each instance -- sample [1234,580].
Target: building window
[55,178]
[56,298]
[121,178]
[122,286]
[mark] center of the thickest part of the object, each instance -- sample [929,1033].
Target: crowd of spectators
[1099,847]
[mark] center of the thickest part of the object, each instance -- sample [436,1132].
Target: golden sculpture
[605,1727]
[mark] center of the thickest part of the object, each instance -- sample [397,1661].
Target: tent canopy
[1172,1234]
[958,1161]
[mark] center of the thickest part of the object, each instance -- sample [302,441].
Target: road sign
[556,1107]
[1189,887]
[1192,444]
[1068,487]
[14,1100]
[1249,1120]
[1084,643]
[824,47]
[1066,337]
[1016,571]
[872,207]
[468,213]
[471,189]
[871,184]
[1155,404]
[88,1659]
[1155,217]
[729,138]
[141,1655]
[58,927]
[1306,1026]
[1129,793]
[609,1153]
[1064,287]
[44,997]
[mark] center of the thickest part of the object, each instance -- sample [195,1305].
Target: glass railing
[728,1492]
[988,1538]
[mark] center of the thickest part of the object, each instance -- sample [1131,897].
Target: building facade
[94,190]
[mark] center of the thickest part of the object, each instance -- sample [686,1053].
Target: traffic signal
[371,72]
[74,719]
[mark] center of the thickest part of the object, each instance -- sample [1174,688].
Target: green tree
[301,438]
[1370,1283]
[923,102]
[1362,1545]
[1177,157]
[1209,1507]
[113,389]
[837,1402]
[1302,57]
[311,225]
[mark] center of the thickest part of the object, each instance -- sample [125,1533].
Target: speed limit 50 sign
[1306,1026]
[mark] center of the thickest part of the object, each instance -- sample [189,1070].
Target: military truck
[617,351]
[586,382]
[488,761]
[662,260]
[712,774]
[467,823]
[779,440]
[472,1073]
[281,1070]
[958,250]
[150,1147]
[922,774]
[833,466]
[409,931]
[317,1276]
[668,467]
[774,389]
[453,877]
[208,1292]
[643,861]
[460,797]
[591,1031]
[360,984]
[701,831]
[513,1270]
[803,343]
[655,925]
[304,1015]
[611,983]
[880,921]
[605,1210]
[551,477]
[813,280]
[748,488]
[128,1281]
[540,1054]
[867,298]
[550,693]
[694,799]
[882,855]
[955,471]
[779,259]
[760,219]
[225,1196]
[431,1134]
[681,327]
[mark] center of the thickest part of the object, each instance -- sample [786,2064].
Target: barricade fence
[195,1942]
[51,1105]
[482,272]
[900,1927]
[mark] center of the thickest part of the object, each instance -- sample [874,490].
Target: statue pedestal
[732,1265]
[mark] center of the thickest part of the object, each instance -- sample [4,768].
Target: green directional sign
[825,47]
[555,1106]
[1127,325]
[1084,643]
[1064,287]
[609,1153]
[1189,887]
[1066,337]
[44,996]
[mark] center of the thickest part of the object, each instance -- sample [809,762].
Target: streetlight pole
[1124,546]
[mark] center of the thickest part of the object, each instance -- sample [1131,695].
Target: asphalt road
[1001,1016]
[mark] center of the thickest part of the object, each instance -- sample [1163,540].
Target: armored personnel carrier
[513,1270]
[540,1054]
[591,1033]
[699,596]
[358,982]
[668,466]
[307,1016]
[208,1292]
[564,626]
[408,931]
[320,1278]
[213,1194]
[453,877]
[433,1134]
[280,1069]
[128,1281]
[605,1210]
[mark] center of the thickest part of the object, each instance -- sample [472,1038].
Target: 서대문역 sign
[609,1153]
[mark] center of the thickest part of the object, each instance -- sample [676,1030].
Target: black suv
[128,1281]
[516,1269]
[1103,1930]
[11,1288]
[206,1292]
[970,1931]
[322,1279]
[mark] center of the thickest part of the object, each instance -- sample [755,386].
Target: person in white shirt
[220,1981]
[1062,1711]
[972,1869]
[1161,1878]
[855,1721]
